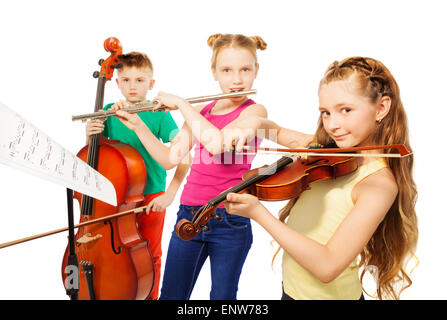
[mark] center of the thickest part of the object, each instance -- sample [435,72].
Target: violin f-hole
[311,163]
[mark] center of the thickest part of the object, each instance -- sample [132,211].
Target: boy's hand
[94,127]
[160,203]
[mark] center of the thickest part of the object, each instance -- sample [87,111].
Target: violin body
[115,263]
[295,178]
[283,180]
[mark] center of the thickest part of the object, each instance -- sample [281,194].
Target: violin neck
[262,174]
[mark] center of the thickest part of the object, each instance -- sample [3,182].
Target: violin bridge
[303,156]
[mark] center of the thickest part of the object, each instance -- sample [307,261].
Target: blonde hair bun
[259,42]
[213,38]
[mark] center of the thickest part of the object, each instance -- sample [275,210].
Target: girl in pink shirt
[214,129]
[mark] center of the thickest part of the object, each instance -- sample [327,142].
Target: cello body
[115,263]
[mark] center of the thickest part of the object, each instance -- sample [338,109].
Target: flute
[149,106]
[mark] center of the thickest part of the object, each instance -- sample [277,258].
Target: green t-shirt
[162,126]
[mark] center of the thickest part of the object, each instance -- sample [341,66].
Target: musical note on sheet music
[25,147]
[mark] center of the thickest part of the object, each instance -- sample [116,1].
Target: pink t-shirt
[210,175]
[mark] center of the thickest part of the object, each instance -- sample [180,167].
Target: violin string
[305,154]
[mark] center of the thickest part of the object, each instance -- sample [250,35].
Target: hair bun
[259,42]
[213,38]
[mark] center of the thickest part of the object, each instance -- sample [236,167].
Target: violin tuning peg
[96,74]
[216,216]
[100,61]
[204,227]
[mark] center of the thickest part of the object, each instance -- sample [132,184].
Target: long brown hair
[396,237]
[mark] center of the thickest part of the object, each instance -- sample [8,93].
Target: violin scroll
[185,230]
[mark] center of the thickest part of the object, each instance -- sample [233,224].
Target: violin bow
[403,150]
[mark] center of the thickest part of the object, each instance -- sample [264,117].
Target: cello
[115,262]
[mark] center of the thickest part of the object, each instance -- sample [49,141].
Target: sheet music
[25,147]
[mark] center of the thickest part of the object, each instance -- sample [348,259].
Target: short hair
[136,59]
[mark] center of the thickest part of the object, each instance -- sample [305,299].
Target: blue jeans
[227,244]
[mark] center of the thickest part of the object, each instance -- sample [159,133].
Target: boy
[134,81]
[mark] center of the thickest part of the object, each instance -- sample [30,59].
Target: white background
[49,50]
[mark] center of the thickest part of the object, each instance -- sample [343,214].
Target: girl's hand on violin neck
[168,101]
[244,205]
[94,127]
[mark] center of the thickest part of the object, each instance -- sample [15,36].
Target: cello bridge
[87,238]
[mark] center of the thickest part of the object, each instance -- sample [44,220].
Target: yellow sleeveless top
[317,215]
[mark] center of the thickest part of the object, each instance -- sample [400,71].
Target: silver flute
[149,106]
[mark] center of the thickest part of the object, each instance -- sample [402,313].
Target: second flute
[149,106]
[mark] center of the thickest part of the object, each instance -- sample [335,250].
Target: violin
[115,261]
[285,179]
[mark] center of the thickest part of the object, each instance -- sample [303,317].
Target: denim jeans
[227,244]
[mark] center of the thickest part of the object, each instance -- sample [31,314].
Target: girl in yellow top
[364,219]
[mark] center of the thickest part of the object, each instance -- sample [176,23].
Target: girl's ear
[256,70]
[213,71]
[383,107]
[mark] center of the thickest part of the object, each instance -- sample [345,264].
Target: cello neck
[93,147]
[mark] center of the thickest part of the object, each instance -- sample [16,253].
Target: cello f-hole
[112,238]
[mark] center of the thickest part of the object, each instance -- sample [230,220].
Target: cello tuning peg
[96,74]
[100,61]
[117,66]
